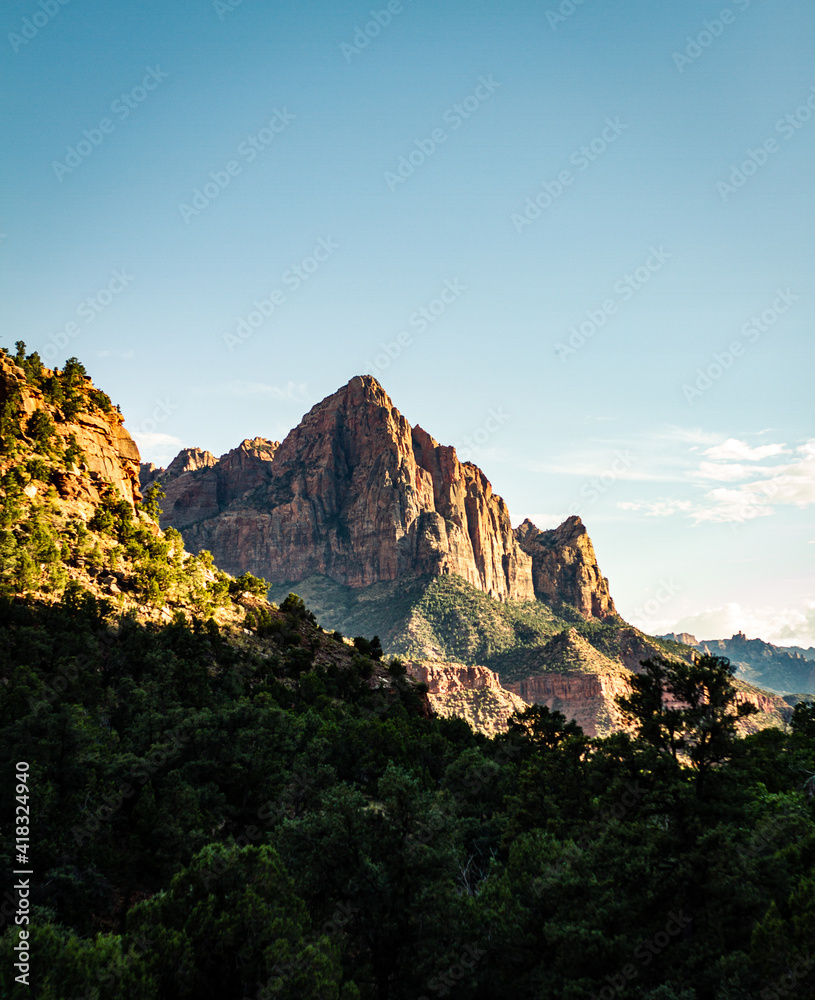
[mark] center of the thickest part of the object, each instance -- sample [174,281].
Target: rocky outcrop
[579,681]
[357,495]
[109,453]
[198,486]
[685,638]
[564,567]
[469,692]
[589,699]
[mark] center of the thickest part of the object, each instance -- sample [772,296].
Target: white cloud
[156,447]
[734,450]
[657,508]
[724,473]
[780,626]
[788,484]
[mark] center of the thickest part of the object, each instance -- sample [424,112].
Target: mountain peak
[355,494]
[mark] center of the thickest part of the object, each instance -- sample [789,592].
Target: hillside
[383,531]
[216,798]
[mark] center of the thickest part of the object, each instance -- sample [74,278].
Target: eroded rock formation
[356,494]
[353,493]
[109,453]
[471,692]
[564,567]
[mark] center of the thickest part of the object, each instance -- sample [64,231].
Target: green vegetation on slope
[222,816]
[233,803]
[446,618]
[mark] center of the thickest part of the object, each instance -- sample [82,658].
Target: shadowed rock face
[198,486]
[564,567]
[472,693]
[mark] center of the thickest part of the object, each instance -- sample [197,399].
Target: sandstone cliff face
[357,495]
[564,567]
[470,692]
[587,698]
[110,454]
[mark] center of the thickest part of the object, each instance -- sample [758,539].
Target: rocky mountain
[199,486]
[777,668]
[382,530]
[488,618]
[358,496]
[564,567]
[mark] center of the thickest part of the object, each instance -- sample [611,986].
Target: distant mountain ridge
[786,670]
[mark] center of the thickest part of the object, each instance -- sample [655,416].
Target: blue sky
[604,211]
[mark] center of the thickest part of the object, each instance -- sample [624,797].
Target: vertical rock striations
[353,493]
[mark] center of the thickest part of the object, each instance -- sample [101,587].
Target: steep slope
[72,427]
[574,678]
[355,495]
[471,693]
[199,486]
[74,532]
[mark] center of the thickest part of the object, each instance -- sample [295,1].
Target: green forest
[215,822]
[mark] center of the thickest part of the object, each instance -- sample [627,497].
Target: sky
[573,239]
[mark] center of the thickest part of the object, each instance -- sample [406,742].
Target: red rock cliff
[564,567]
[353,493]
[109,455]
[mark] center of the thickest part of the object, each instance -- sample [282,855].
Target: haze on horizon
[573,240]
